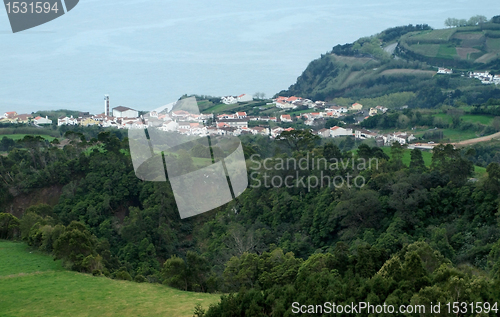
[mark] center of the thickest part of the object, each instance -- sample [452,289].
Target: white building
[324,133]
[125,112]
[364,134]
[496,79]
[276,131]
[67,121]
[229,100]
[285,105]
[443,70]
[42,120]
[285,118]
[234,123]
[356,106]
[338,131]
[244,98]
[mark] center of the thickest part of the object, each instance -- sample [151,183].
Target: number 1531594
[32,7]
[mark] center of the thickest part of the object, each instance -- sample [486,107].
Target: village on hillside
[237,123]
[209,124]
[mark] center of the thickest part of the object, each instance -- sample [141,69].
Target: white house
[229,100]
[10,114]
[67,121]
[169,126]
[241,115]
[324,133]
[125,112]
[364,134]
[42,120]
[443,70]
[234,123]
[285,105]
[276,131]
[496,79]
[259,130]
[338,131]
[356,106]
[285,118]
[244,98]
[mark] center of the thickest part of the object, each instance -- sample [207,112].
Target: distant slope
[471,47]
[398,59]
[32,284]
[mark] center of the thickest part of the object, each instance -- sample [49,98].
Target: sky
[148,53]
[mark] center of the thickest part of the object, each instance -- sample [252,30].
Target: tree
[174,273]
[397,152]
[364,151]
[417,160]
[357,210]
[9,226]
[333,122]
[33,144]
[493,180]
[189,275]
[476,20]
[331,150]
[6,144]
[449,162]
[74,245]
[299,140]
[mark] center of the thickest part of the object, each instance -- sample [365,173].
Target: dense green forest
[410,235]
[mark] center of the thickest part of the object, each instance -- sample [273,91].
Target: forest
[413,234]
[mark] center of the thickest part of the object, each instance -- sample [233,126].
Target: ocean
[145,54]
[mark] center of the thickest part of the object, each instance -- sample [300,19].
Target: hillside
[401,59]
[32,284]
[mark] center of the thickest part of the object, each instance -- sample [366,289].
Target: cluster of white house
[290,103]
[485,77]
[14,117]
[338,111]
[382,139]
[230,100]
[120,117]
[443,70]
[184,122]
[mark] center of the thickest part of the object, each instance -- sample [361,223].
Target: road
[390,48]
[477,140]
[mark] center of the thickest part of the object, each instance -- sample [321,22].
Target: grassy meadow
[16,137]
[33,284]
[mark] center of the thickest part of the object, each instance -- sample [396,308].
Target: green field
[221,108]
[486,120]
[427,156]
[434,35]
[430,50]
[32,284]
[493,44]
[458,135]
[447,51]
[16,137]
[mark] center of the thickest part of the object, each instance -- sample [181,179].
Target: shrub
[140,279]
